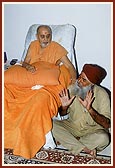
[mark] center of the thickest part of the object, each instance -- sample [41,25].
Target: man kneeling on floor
[88,108]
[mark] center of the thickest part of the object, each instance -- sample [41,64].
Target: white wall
[92,20]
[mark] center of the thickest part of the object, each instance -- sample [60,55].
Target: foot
[90,152]
[93,153]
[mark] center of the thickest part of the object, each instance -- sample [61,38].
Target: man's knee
[103,141]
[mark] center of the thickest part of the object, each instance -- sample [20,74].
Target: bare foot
[90,152]
[93,153]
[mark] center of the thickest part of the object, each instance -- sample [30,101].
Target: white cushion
[63,34]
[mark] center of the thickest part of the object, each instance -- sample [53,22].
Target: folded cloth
[36,87]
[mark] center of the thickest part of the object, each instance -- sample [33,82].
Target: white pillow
[63,34]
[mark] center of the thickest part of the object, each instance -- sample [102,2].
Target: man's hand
[96,116]
[88,100]
[65,99]
[31,68]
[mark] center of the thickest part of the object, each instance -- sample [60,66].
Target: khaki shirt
[80,120]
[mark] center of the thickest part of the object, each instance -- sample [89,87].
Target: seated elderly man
[28,112]
[44,49]
[88,108]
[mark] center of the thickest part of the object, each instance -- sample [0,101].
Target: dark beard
[75,89]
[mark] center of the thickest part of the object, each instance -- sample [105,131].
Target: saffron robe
[28,113]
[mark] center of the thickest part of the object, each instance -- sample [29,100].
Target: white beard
[43,45]
[75,89]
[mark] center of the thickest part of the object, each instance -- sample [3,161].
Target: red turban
[94,73]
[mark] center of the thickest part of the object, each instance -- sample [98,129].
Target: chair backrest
[63,34]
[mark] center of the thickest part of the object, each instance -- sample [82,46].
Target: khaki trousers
[63,133]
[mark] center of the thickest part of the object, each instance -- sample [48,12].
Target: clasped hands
[66,100]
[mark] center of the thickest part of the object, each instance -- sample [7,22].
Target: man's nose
[79,79]
[45,38]
[79,82]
